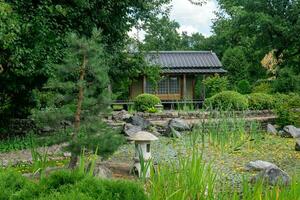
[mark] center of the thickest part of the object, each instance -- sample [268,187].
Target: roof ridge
[180,51]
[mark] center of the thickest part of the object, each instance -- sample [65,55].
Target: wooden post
[184,86]
[144,84]
[203,89]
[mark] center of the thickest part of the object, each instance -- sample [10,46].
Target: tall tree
[260,27]
[37,36]
[78,92]
[162,35]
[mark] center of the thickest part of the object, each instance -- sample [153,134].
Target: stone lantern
[142,141]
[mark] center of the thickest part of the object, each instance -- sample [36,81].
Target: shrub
[244,87]
[215,84]
[227,100]
[67,185]
[144,102]
[285,109]
[287,81]
[10,183]
[260,101]
[262,88]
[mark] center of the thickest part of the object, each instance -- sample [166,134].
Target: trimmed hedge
[285,109]
[67,185]
[260,101]
[227,100]
[146,102]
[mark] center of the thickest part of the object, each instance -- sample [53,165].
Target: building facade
[179,71]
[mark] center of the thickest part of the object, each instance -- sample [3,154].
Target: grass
[25,142]
[227,131]
[187,178]
[206,164]
[191,176]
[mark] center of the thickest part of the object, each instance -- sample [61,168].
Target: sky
[192,18]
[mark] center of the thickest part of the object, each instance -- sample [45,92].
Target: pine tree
[78,92]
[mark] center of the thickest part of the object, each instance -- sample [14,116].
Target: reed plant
[186,178]
[228,131]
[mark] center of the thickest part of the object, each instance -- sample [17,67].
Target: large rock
[122,115]
[102,171]
[271,129]
[179,125]
[297,145]
[139,121]
[259,165]
[272,176]
[174,133]
[292,131]
[130,129]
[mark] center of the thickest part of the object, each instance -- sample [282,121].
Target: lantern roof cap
[143,136]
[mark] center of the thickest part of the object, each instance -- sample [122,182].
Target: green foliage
[287,81]
[287,109]
[161,34]
[16,143]
[234,60]
[130,67]
[11,183]
[33,36]
[94,134]
[260,101]
[243,87]
[262,88]
[227,100]
[194,179]
[144,102]
[152,110]
[83,56]
[215,84]
[67,185]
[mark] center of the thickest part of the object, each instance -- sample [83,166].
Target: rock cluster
[288,131]
[268,172]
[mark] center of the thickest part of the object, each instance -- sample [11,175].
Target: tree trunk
[74,156]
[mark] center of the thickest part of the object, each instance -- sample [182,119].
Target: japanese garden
[137,100]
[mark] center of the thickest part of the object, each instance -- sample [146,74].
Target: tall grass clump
[227,130]
[187,178]
[259,191]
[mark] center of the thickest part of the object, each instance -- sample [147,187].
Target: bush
[260,101]
[11,183]
[285,109]
[287,81]
[227,100]
[67,185]
[145,102]
[215,84]
[244,87]
[262,88]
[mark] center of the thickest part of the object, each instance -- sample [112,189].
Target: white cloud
[193,18]
[189,29]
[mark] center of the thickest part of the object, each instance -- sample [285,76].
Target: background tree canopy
[244,33]
[33,36]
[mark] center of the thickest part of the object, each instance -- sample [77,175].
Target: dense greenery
[260,101]
[77,93]
[227,100]
[286,106]
[67,185]
[146,102]
[33,38]
[215,84]
[254,39]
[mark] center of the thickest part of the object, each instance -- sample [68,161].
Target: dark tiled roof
[186,61]
[193,70]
